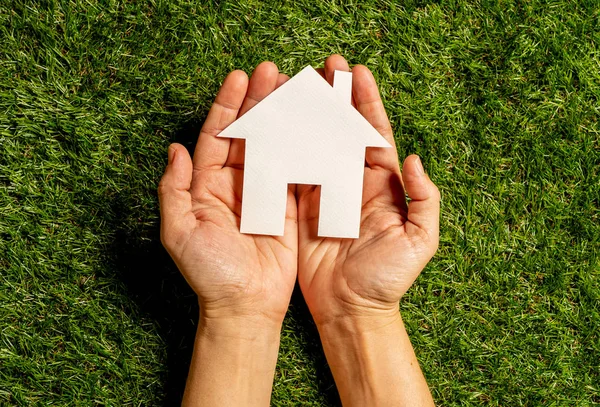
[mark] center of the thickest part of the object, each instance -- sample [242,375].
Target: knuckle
[436,192]
[436,244]
[163,186]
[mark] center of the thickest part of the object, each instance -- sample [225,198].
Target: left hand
[234,275]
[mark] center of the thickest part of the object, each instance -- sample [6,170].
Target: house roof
[305,104]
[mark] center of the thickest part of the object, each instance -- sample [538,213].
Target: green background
[500,98]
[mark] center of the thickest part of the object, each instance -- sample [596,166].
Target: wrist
[247,328]
[233,363]
[354,316]
[250,315]
[358,349]
[373,362]
[357,326]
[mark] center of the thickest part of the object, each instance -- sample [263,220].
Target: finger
[369,104]
[321,71]
[212,151]
[177,218]
[308,198]
[281,79]
[262,82]
[424,205]
[335,63]
[290,237]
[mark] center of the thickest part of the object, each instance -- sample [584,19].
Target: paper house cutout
[305,132]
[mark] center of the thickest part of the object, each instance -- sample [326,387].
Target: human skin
[353,286]
[244,282]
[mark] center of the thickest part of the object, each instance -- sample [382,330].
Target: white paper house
[305,132]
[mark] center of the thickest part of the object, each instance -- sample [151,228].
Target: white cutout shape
[305,132]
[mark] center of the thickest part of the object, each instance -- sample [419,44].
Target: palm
[373,270]
[220,262]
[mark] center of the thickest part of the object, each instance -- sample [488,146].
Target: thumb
[175,200]
[424,206]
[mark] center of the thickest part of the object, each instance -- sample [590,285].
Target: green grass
[501,99]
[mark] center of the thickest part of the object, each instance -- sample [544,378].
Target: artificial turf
[500,98]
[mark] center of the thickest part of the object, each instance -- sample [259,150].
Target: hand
[243,282]
[369,275]
[234,275]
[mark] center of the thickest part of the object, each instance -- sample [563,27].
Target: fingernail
[420,169]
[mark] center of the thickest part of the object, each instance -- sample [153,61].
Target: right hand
[367,276]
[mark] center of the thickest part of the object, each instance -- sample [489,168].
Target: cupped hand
[368,276]
[233,274]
